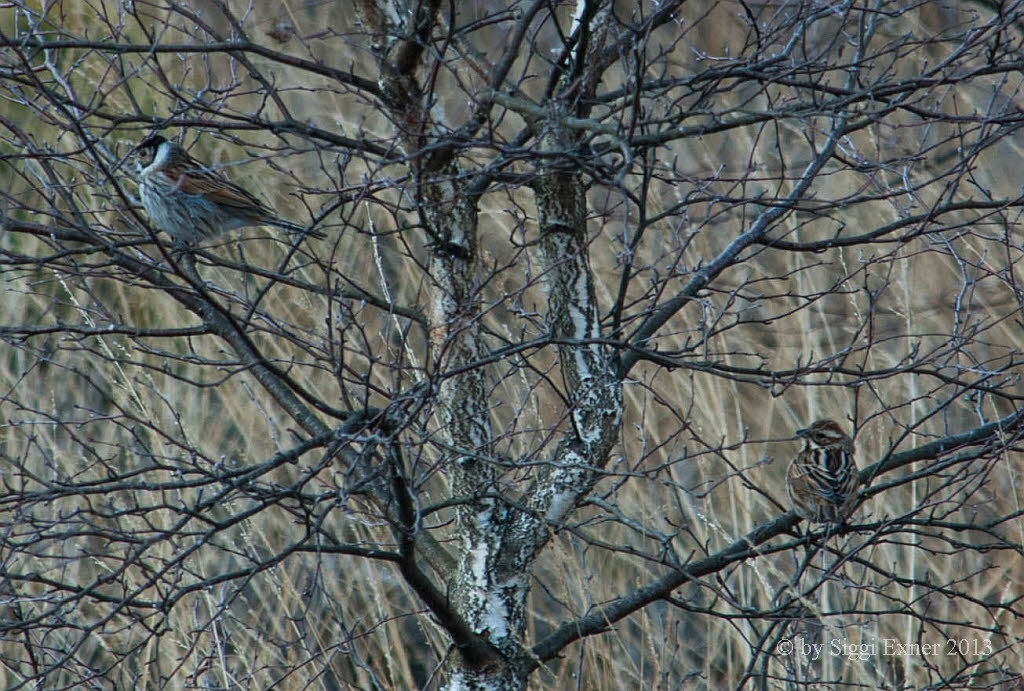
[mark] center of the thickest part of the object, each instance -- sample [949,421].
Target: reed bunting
[822,480]
[192,203]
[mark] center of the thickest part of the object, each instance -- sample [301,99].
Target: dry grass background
[699,453]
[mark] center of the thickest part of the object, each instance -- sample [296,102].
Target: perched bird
[822,479]
[192,203]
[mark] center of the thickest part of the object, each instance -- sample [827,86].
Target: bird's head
[154,149]
[153,141]
[823,434]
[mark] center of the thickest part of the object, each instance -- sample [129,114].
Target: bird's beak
[803,432]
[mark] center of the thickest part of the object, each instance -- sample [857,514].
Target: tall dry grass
[702,457]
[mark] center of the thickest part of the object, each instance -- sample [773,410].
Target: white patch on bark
[576,16]
[492,613]
[560,505]
[461,681]
[584,325]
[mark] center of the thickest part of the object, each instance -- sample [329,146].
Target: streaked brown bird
[192,203]
[822,480]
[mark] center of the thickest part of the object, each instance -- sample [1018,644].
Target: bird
[192,203]
[822,479]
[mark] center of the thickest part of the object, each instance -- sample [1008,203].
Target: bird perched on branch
[822,479]
[192,203]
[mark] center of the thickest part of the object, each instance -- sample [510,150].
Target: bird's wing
[219,191]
